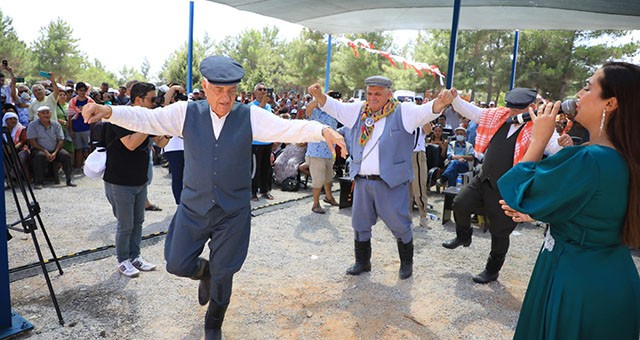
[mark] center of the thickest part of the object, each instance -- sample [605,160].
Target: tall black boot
[405,250]
[213,321]
[491,271]
[363,258]
[463,238]
[204,287]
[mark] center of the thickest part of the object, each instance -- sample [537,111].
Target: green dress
[584,284]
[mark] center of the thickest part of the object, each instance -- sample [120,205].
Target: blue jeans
[176,167]
[127,203]
[453,169]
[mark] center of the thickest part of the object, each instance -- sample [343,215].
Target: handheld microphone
[568,107]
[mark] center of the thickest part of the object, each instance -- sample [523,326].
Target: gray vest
[216,171]
[395,147]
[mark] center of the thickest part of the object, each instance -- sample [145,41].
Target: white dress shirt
[413,116]
[169,120]
[473,112]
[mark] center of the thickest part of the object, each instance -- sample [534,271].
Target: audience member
[262,169]
[80,131]
[46,139]
[320,159]
[460,155]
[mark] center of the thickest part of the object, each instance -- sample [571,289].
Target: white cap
[43,108]
[460,128]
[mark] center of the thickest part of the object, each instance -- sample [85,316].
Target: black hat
[378,81]
[520,98]
[221,70]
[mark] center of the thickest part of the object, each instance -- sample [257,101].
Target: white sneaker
[142,264]
[127,269]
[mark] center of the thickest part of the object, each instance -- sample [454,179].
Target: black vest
[498,158]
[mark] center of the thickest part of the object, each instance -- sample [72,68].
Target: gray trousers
[127,203]
[373,199]
[228,236]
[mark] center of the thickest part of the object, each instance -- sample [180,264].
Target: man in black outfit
[503,146]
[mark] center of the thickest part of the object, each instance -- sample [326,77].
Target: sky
[122,33]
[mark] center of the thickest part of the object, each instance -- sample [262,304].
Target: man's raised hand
[316,91]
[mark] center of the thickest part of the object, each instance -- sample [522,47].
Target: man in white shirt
[381,131]
[215,206]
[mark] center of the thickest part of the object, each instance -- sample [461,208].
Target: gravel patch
[292,285]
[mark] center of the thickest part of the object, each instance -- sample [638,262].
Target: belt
[370,177]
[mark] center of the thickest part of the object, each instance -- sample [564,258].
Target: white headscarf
[16,128]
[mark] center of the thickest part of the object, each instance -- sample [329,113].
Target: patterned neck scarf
[369,118]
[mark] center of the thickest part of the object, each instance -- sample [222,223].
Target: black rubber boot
[363,258]
[491,271]
[463,238]
[213,321]
[405,250]
[204,287]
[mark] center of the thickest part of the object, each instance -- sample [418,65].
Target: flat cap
[221,70]
[43,108]
[381,81]
[520,98]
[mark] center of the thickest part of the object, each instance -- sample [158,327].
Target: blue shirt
[266,107]
[471,132]
[321,149]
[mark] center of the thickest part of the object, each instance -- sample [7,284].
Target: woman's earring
[604,114]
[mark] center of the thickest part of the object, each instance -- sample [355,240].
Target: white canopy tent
[358,16]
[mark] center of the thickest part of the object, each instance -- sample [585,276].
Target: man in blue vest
[215,204]
[381,147]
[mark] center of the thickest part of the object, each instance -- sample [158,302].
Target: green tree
[129,73]
[349,72]
[261,53]
[57,50]
[13,49]
[558,62]
[144,69]
[95,74]
[174,69]
[305,59]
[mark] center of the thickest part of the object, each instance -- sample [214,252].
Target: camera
[162,90]
[335,95]
[269,91]
[180,96]
[5,63]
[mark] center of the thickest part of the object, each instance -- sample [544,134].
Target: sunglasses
[261,89]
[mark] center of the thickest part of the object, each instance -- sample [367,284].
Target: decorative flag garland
[418,67]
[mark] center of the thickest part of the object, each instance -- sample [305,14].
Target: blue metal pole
[453,43]
[514,61]
[190,50]
[10,323]
[327,71]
